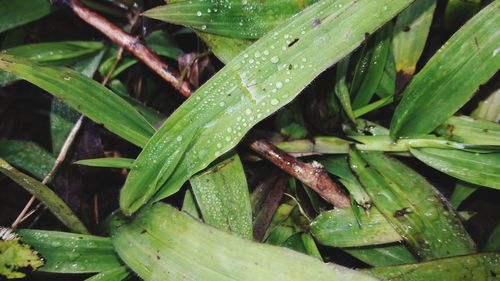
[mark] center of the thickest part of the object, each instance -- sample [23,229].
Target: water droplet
[279,85]
[274,102]
[199,13]
[275,59]
[179,138]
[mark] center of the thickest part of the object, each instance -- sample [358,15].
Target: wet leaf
[342,228]
[380,255]
[461,192]
[53,53]
[471,267]
[71,253]
[218,115]
[222,196]
[471,131]
[416,210]
[234,18]
[174,245]
[27,156]
[478,168]
[370,67]
[451,77]
[114,162]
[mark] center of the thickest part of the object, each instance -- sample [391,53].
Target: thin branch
[59,160]
[313,175]
[131,44]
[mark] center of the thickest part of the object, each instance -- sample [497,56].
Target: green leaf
[224,48]
[410,35]
[62,116]
[451,76]
[115,274]
[459,11]
[15,255]
[342,228]
[461,192]
[114,162]
[27,156]
[163,44]
[339,166]
[53,53]
[416,210]
[71,253]
[371,66]
[162,243]
[85,95]
[478,168]
[387,86]
[48,197]
[471,267]
[380,255]
[471,131]
[243,93]
[489,109]
[222,196]
[341,89]
[237,19]
[189,205]
[19,12]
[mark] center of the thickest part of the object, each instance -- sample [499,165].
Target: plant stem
[131,44]
[313,175]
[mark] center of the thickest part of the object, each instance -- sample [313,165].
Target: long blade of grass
[461,192]
[471,267]
[493,243]
[478,168]
[222,196]
[27,156]
[370,67]
[410,35]
[471,131]
[234,18]
[268,75]
[85,95]
[48,197]
[451,77]
[341,89]
[416,210]
[16,13]
[71,253]
[164,244]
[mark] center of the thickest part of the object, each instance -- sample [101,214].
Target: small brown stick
[313,175]
[131,44]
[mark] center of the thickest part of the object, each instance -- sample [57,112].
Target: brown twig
[131,44]
[313,175]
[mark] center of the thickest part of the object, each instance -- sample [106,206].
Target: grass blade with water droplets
[472,267]
[478,168]
[16,13]
[222,196]
[71,253]
[451,76]
[416,210]
[162,243]
[268,75]
[341,228]
[234,18]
